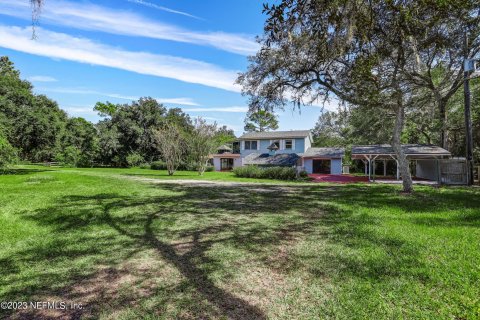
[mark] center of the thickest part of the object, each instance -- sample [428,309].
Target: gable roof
[324,152]
[276,135]
[282,159]
[409,149]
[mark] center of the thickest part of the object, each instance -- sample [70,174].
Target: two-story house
[280,148]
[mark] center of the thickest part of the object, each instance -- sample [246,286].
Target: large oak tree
[367,53]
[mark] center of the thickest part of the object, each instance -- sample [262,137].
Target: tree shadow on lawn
[180,227]
[18,172]
[164,174]
[425,200]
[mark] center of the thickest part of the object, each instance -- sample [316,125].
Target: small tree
[202,143]
[171,144]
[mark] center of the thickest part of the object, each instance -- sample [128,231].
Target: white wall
[216,163]
[336,166]
[308,165]
[237,162]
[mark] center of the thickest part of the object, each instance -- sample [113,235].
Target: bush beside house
[278,173]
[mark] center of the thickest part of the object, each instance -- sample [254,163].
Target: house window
[277,143]
[288,144]
[251,145]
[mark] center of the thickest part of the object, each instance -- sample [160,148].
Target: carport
[426,159]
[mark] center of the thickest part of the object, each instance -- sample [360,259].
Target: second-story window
[276,142]
[251,145]
[288,144]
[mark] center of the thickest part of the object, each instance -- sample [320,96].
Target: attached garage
[321,166]
[323,160]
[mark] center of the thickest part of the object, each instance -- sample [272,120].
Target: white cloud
[41,79]
[80,110]
[62,46]
[212,119]
[218,109]
[161,8]
[93,17]
[180,101]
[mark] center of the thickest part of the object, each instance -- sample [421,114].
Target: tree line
[33,128]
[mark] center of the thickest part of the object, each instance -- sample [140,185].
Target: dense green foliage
[128,249]
[79,143]
[279,173]
[127,136]
[33,124]
[8,154]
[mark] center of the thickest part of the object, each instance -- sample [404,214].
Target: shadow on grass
[183,224]
[23,171]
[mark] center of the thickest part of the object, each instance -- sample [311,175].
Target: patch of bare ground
[120,287]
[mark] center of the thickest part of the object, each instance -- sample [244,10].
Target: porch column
[373,170]
[384,168]
[369,168]
[398,171]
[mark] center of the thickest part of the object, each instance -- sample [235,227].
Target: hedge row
[279,173]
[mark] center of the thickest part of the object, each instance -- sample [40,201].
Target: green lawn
[129,249]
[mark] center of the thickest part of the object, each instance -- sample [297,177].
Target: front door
[226,164]
[321,166]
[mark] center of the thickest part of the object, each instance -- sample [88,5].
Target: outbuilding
[428,159]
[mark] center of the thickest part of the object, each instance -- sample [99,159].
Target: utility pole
[468,67]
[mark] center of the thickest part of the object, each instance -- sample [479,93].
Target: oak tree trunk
[443,123]
[397,147]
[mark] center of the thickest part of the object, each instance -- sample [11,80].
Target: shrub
[144,166]
[134,159]
[303,174]
[184,166]
[279,173]
[70,156]
[210,169]
[158,165]
[188,166]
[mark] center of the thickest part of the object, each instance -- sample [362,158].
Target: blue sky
[184,53]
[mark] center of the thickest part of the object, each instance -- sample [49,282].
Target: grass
[158,174]
[128,249]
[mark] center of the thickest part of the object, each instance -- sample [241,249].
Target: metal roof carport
[371,153]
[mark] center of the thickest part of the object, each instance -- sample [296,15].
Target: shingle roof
[276,134]
[409,149]
[324,152]
[283,159]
